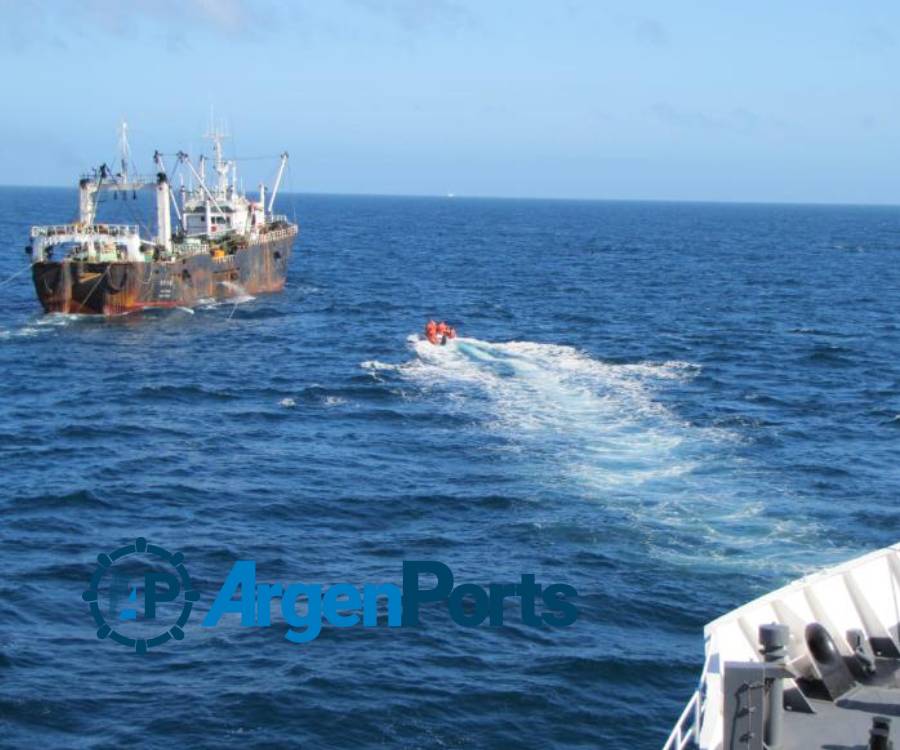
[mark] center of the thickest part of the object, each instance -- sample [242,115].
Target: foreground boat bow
[815,664]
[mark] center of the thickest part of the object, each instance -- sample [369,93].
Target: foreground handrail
[686,732]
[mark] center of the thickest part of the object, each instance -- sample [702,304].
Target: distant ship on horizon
[225,244]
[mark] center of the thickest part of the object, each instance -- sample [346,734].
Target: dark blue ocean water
[672,408]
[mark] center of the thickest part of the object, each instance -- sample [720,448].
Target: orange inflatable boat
[439,333]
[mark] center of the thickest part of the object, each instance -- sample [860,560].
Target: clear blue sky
[767,101]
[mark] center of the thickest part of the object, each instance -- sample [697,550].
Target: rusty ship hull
[115,288]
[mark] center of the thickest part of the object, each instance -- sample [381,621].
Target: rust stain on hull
[71,286]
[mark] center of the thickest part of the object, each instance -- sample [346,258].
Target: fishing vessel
[223,243]
[814,665]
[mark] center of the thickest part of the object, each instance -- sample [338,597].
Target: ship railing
[686,732]
[112,182]
[275,218]
[112,230]
[278,234]
[183,249]
[85,255]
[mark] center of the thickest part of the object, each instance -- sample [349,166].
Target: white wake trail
[600,432]
[599,419]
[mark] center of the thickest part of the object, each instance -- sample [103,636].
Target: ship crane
[210,199]
[91,185]
[281,166]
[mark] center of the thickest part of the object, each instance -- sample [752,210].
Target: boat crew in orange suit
[431,331]
[439,333]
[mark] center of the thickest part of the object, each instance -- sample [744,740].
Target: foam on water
[62,319]
[601,416]
[239,294]
[45,322]
[601,430]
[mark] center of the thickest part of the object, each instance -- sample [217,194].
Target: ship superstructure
[223,243]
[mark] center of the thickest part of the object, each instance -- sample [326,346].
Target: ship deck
[845,723]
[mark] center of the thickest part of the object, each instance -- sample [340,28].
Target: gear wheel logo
[141,568]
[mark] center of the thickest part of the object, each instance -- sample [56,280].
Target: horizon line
[559,199]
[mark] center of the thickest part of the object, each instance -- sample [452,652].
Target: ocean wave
[182,393]
[67,501]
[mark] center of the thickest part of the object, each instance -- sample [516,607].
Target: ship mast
[221,166]
[124,152]
[103,178]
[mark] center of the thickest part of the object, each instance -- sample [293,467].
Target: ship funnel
[163,217]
